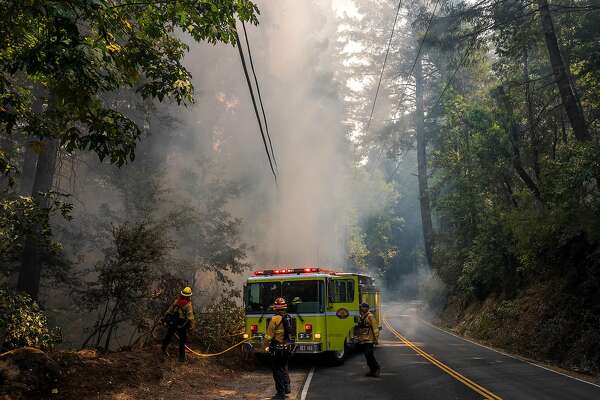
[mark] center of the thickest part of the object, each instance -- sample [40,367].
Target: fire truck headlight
[317,336]
[246,336]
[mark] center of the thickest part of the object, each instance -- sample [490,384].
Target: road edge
[548,367]
[306,384]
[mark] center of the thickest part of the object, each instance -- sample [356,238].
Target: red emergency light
[286,270]
[253,328]
[283,271]
[308,328]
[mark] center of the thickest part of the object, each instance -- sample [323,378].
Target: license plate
[307,348]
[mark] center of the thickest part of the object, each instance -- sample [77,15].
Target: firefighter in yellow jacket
[368,335]
[179,318]
[279,339]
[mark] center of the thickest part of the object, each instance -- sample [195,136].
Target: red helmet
[279,304]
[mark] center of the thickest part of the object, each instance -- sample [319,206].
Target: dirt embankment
[142,374]
[546,323]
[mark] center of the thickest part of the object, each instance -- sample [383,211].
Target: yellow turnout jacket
[368,328]
[276,330]
[184,310]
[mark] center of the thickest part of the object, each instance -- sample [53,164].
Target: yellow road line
[461,378]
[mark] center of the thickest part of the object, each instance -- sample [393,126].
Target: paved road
[421,362]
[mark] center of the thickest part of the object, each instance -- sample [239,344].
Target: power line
[262,133]
[259,96]
[387,52]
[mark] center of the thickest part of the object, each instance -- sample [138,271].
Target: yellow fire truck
[323,304]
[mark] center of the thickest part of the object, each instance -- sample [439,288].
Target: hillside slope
[546,322]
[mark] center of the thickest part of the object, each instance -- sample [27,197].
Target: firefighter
[179,318]
[279,339]
[368,336]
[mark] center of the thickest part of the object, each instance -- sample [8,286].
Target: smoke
[303,219]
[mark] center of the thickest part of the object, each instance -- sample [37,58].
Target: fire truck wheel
[338,357]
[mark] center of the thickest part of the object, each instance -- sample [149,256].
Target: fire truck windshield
[302,296]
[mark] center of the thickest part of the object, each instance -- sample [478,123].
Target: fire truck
[323,304]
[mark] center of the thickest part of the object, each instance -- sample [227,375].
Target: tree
[79,52]
[30,272]
[129,277]
[422,163]
[562,75]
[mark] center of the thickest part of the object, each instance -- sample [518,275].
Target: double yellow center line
[463,379]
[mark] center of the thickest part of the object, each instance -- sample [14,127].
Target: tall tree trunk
[28,170]
[31,267]
[531,124]
[514,136]
[30,156]
[561,72]
[422,164]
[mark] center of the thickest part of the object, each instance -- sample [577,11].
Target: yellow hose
[214,354]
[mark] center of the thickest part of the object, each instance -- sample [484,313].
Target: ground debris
[27,372]
[142,374]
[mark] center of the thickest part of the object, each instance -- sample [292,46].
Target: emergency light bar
[281,271]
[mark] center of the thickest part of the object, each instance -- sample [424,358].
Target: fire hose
[198,354]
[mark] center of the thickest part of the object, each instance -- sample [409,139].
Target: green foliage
[357,249]
[71,55]
[498,233]
[23,323]
[491,322]
[222,323]
[7,167]
[18,216]
[383,238]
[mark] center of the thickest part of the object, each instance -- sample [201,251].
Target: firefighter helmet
[279,304]
[187,291]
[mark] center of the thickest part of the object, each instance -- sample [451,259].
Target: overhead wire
[262,108]
[387,52]
[262,133]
